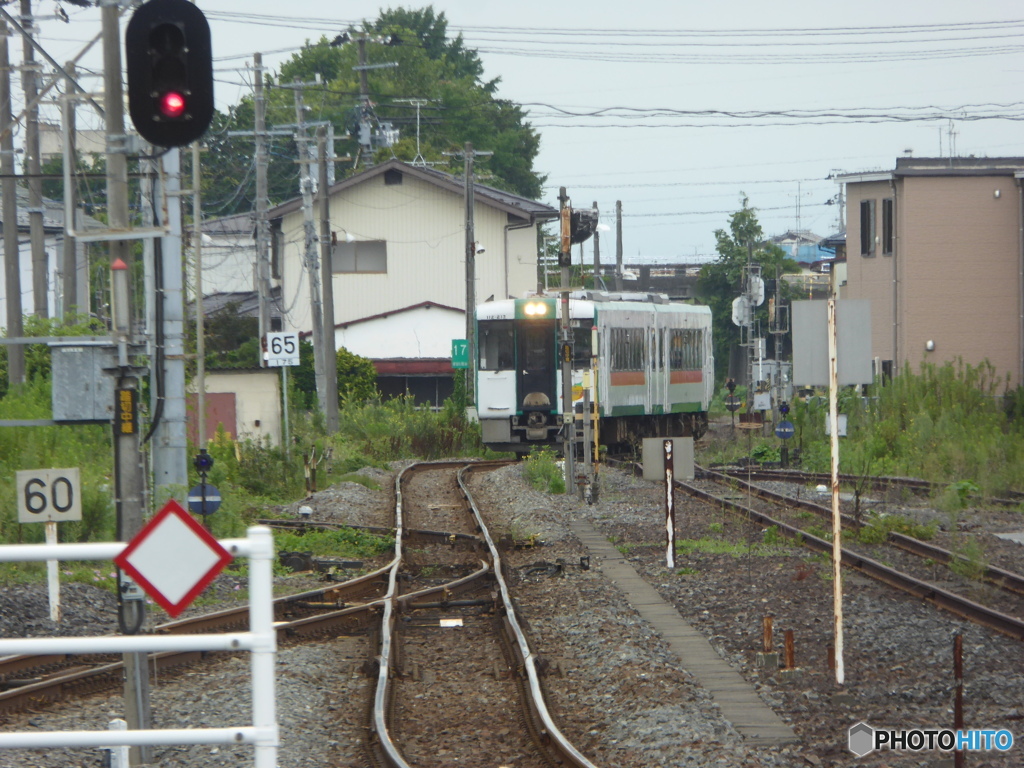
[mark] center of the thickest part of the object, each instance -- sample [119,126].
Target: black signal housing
[169,60]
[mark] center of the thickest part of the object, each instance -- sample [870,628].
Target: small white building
[246,402]
[398,266]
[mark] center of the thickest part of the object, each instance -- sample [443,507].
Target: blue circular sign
[204,499]
[785,430]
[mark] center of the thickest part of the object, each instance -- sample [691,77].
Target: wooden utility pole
[262,225]
[9,187]
[326,264]
[29,85]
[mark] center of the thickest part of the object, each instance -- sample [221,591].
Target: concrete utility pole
[197,250]
[310,254]
[128,471]
[467,172]
[326,263]
[597,255]
[618,245]
[170,445]
[30,86]
[9,187]
[565,351]
[262,204]
[69,260]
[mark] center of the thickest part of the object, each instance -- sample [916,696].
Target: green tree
[461,107]
[721,281]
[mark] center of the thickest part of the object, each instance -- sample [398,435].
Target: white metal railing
[260,641]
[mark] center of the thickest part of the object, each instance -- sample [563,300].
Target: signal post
[169,64]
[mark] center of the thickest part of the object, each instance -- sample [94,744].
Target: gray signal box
[82,390]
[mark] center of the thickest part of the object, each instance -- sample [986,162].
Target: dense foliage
[721,281]
[460,106]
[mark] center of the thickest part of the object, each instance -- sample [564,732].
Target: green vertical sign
[460,353]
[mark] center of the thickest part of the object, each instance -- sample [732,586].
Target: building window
[360,256]
[867,227]
[887,226]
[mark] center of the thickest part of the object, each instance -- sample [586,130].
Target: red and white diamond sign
[173,558]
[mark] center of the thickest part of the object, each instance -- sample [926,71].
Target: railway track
[440,610]
[883,484]
[873,568]
[468,649]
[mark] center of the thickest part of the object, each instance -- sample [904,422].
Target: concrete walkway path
[739,702]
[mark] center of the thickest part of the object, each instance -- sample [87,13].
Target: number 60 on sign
[49,495]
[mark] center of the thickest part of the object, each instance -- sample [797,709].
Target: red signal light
[172,105]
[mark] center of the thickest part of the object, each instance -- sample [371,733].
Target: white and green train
[652,358]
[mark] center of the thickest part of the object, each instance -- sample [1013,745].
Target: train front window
[496,345]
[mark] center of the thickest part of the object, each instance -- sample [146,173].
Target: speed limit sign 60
[48,495]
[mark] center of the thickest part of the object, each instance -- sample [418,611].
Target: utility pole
[69,260]
[197,250]
[29,85]
[597,255]
[9,187]
[565,351]
[262,225]
[326,263]
[309,251]
[128,471]
[467,157]
[618,246]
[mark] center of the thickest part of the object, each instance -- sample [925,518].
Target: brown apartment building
[937,246]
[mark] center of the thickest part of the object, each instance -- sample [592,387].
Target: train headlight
[536,309]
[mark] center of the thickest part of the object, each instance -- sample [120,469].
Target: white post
[837,545]
[261,625]
[119,755]
[53,573]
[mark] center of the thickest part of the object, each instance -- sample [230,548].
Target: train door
[535,374]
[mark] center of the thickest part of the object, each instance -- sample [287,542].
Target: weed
[716,528]
[878,527]
[772,537]
[969,560]
[541,471]
[339,542]
[686,572]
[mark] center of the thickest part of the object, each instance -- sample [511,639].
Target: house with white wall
[398,266]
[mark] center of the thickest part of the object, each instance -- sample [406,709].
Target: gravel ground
[616,689]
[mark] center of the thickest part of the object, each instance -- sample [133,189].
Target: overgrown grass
[878,528]
[541,470]
[340,542]
[948,424]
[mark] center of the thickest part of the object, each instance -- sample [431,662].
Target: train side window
[496,345]
[685,349]
[629,348]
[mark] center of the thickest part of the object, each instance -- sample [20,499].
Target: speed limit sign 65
[48,495]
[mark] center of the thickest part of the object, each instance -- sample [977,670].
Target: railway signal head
[203,462]
[784,408]
[170,72]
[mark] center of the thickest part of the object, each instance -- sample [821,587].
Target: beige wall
[957,261]
[257,399]
[424,228]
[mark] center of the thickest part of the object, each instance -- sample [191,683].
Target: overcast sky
[611,87]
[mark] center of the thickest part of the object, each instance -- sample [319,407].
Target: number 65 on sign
[49,495]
